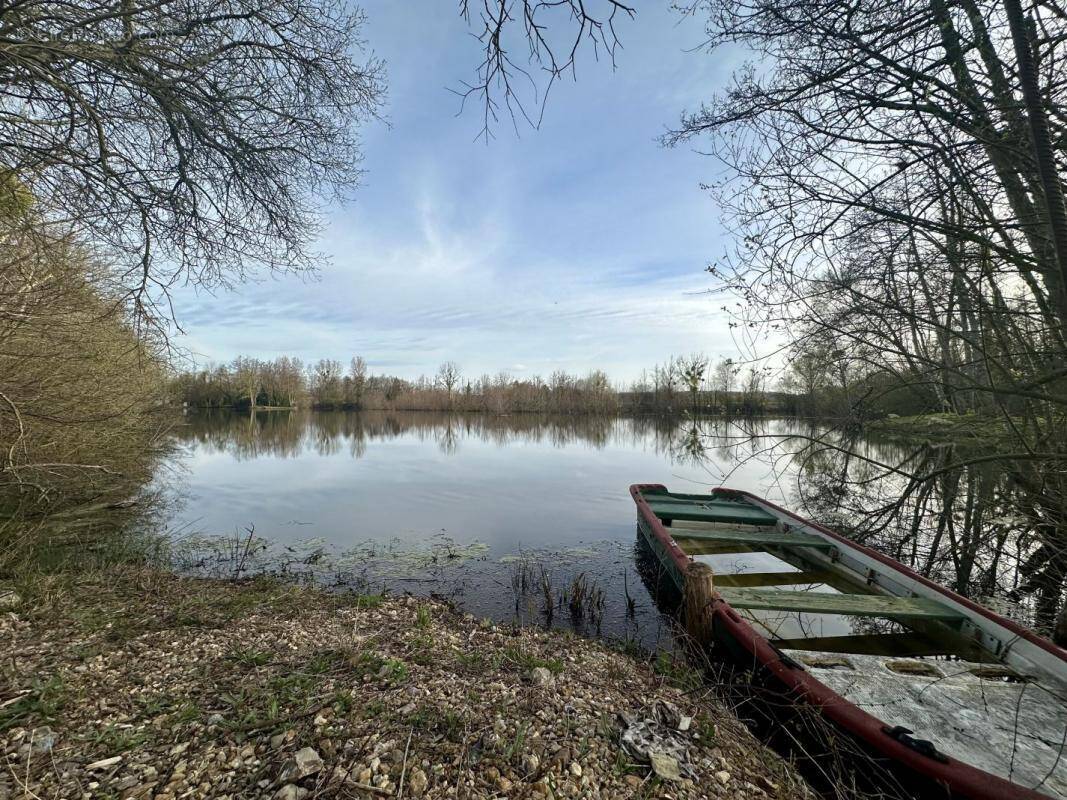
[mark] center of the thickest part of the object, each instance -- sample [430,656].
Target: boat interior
[904,655]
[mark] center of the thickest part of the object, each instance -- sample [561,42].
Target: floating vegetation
[244,554]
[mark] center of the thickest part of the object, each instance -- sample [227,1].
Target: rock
[308,762]
[685,723]
[215,719]
[530,763]
[665,766]
[291,792]
[180,748]
[277,740]
[539,676]
[103,763]
[723,776]
[417,782]
[9,598]
[576,769]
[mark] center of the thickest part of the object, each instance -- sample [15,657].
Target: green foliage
[525,660]
[44,701]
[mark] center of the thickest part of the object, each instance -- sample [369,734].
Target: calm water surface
[477,508]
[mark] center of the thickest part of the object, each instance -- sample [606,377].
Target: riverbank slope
[140,684]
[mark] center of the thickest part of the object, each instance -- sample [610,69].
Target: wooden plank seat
[863,605]
[751,579]
[711,512]
[893,645]
[763,538]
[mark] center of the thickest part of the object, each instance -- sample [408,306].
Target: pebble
[539,676]
[103,763]
[291,792]
[417,782]
[308,762]
[565,726]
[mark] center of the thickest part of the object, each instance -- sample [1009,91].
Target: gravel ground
[145,685]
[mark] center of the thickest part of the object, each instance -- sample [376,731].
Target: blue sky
[579,245]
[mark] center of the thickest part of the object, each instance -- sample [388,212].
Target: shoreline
[135,683]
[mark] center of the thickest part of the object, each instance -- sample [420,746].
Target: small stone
[9,598]
[665,766]
[104,763]
[530,763]
[291,792]
[723,776]
[417,782]
[215,719]
[180,748]
[127,782]
[576,769]
[633,781]
[684,723]
[277,740]
[319,721]
[503,784]
[308,762]
[539,676]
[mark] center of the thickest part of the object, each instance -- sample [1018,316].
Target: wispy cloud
[578,246]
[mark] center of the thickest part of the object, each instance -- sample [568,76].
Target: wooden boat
[961,701]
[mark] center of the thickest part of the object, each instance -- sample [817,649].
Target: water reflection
[528,484]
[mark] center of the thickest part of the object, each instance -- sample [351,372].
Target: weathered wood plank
[897,645]
[710,512]
[765,538]
[866,605]
[742,580]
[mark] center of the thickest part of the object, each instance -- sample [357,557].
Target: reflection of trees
[962,527]
[287,433]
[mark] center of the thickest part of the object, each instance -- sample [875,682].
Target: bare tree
[448,375]
[357,375]
[552,32]
[185,139]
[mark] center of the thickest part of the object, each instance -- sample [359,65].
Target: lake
[498,512]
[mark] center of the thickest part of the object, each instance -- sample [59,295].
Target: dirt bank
[138,684]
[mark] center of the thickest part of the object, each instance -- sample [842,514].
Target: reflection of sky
[556,492]
[522,492]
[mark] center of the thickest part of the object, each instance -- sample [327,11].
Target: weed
[373,709]
[516,744]
[394,670]
[45,700]
[472,660]
[528,661]
[115,739]
[368,600]
[676,672]
[422,617]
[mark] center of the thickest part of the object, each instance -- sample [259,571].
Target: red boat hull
[948,777]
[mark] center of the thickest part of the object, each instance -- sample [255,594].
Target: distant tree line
[684,384]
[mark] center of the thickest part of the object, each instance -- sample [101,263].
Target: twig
[404,769]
